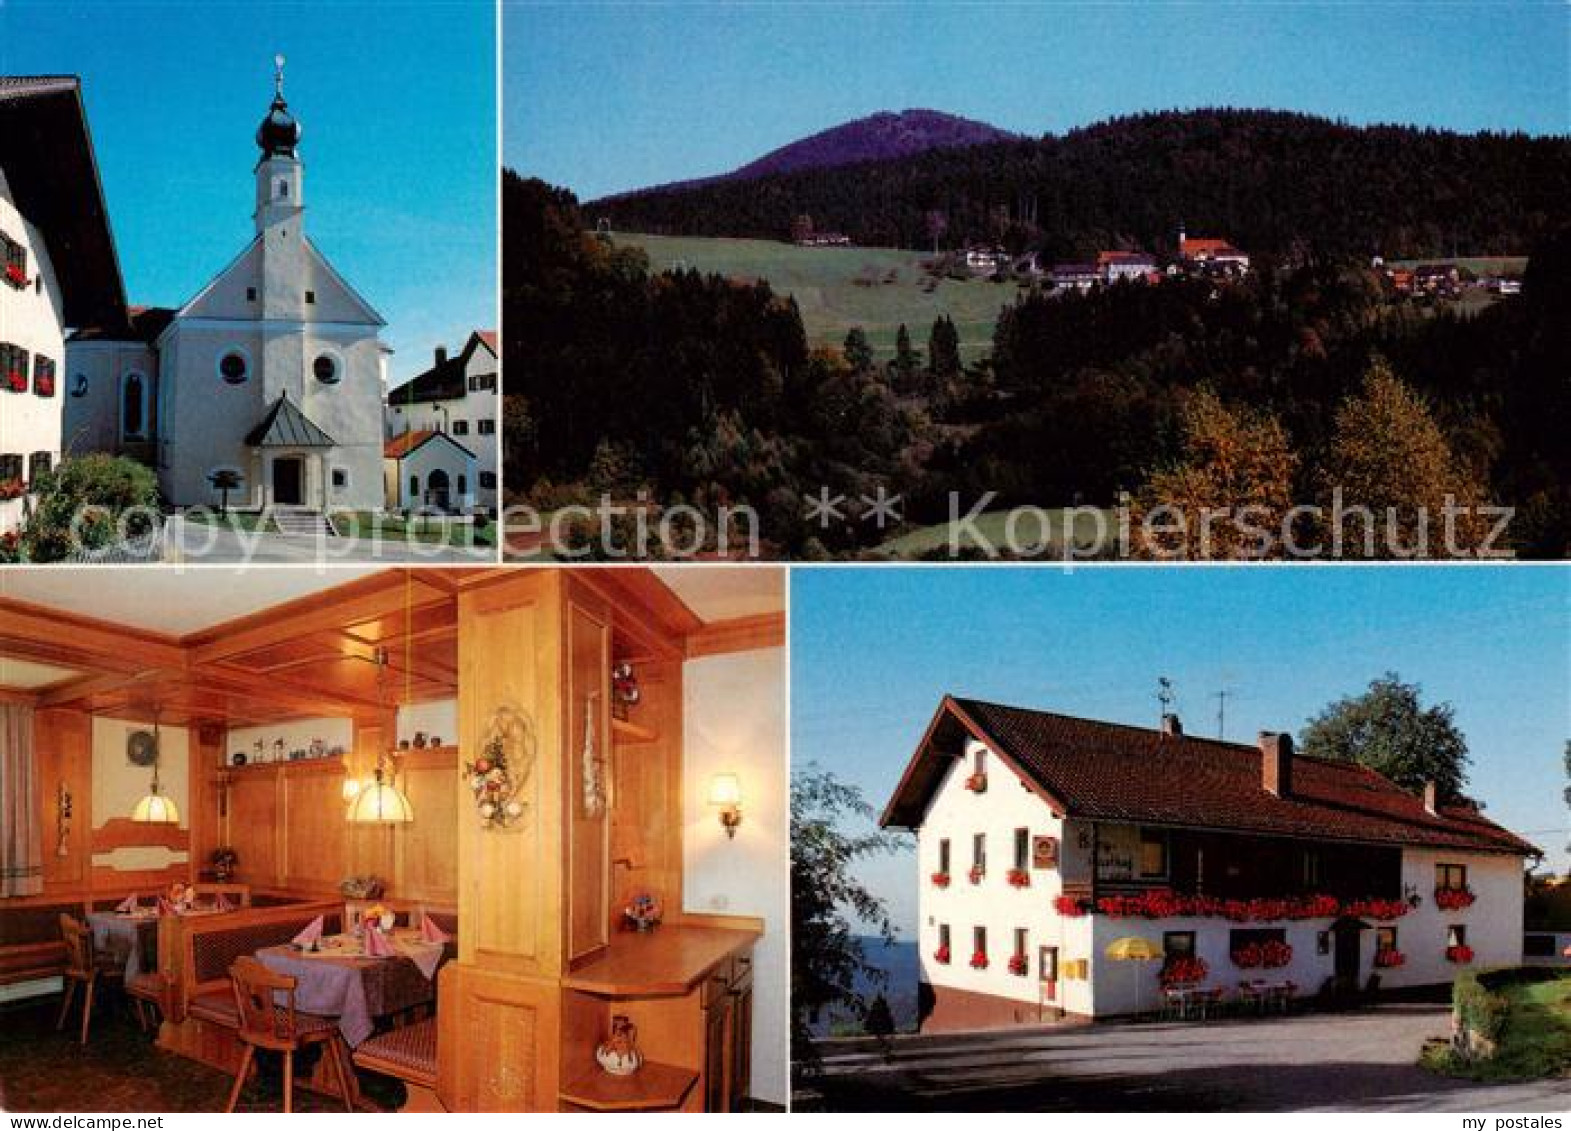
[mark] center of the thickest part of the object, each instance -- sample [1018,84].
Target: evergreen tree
[907,360]
[943,347]
[858,351]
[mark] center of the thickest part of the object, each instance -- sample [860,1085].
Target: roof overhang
[46,150]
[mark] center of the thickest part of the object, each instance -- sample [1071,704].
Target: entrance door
[438,493]
[1047,972]
[288,482]
[1345,938]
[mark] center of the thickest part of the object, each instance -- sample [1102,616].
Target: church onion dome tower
[279,133]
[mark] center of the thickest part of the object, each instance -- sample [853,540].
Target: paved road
[1318,1062]
[206,545]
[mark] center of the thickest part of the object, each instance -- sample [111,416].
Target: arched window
[133,407]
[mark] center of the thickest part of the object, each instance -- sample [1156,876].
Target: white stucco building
[57,269]
[428,471]
[272,373]
[1042,839]
[459,396]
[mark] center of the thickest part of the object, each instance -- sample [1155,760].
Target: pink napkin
[165,907]
[430,932]
[127,904]
[311,934]
[222,904]
[376,944]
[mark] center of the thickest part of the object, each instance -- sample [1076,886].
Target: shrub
[88,502]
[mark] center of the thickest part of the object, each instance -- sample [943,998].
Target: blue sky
[602,97]
[874,650]
[398,104]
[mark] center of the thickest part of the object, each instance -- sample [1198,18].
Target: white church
[270,379]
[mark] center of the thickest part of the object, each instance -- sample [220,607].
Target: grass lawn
[361,524]
[1534,1042]
[918,543]
[823,282]
[247,522]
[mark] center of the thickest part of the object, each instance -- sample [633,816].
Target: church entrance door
[288,482]
[438,490]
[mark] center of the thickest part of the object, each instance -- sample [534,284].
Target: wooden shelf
[665,962]
[626,731]
[654,1087]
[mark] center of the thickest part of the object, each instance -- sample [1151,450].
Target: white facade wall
[93,387]
[32,318]
[419,464]
[470,410]
[1494,922]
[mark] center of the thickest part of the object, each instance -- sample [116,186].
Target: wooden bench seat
[407,1053]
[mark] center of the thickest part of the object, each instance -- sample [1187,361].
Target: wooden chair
[148,992]
[84,969]
[268,1020]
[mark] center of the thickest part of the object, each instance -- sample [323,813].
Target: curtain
[21,834]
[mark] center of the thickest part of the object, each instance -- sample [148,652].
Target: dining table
[128,937]
[339,979]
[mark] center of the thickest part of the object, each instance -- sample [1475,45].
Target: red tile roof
[1110,772]
[400,446]
[1205,246]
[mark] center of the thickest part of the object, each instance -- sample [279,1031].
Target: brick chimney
[441,354]
[1171,727]
[1431,805]
[1276,763]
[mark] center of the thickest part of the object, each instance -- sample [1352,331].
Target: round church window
[232,368]
[326,369]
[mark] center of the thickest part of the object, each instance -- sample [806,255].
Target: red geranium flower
[940,879]
[1019,878]
[979,960]
[941,955]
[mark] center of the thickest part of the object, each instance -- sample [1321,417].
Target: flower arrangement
[941,955]
[16,275]
[16,381]
[642,912]
[12,489]
[1019,878]
[493,777]
[1389,956]
[976,874]
[940,879]
[225,860]
[977,782]
[1461,954]
[979,960]
[1274,954]
[1454,899]
[1018,964]
[1070,907]
[624,689]
[1183,970]
[1164,904]
[379,916]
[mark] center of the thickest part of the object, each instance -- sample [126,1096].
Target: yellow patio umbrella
[1133,948]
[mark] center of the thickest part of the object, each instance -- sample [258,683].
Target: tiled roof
[285,426]
[1110,772]
[400,446]
[444,381]
[1202,246]
[144,324]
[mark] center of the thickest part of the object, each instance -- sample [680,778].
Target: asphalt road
[207,545]
[1364,1061]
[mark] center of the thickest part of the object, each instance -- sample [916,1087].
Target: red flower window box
[979,960]
[976,874]
[1019,878]
[1248,956]
[1387,957]
[16,381]
[1454,899]
[1069,907]
[1185,970]
[1274,955]
[977,783]
[44,385]
[940,879]
[941,955]
[1461,955]
[12,489]
[15,275]
[1018,965]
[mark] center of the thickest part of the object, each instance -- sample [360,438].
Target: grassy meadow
[824,281]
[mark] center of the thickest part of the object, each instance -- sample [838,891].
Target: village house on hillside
[59,271]
[1251,871]
[1208,255]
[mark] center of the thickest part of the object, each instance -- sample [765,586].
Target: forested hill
[1273,183]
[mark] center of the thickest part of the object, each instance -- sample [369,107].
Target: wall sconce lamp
[725,794]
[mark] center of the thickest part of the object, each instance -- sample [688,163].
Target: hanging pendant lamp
[154,808]
[380,801]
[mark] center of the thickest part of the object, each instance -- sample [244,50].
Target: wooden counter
[668,961]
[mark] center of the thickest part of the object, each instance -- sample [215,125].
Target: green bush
[1480,1009]
[88,502]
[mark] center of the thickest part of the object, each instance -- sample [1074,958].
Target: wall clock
[141,748]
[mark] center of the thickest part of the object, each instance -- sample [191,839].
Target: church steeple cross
[278,77]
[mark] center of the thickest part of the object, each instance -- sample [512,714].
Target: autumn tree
[1389,730]
[1388,455]
[1228,494]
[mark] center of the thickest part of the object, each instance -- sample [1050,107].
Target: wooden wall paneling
[510,881]
[313,826]
[425,851]
[499,1041]
[255,825]
[207,757]
[64,741]
[588,756]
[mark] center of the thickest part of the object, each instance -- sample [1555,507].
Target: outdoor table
[342,981]
[1186,997]
[129,937]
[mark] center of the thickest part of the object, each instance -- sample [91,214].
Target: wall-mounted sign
[1044,852]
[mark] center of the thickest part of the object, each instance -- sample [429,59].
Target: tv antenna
[1165,696]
